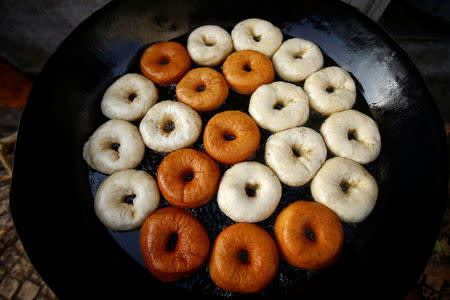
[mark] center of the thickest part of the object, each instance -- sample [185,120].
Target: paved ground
[426,40]
[18,278]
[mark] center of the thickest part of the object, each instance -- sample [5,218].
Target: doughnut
[209,45]
[258,35]
[188,178]
[295,155]
[309,235]
[174,244]
[249,192]
[203,89]
[231,137]
[346,188]
[330,90]
[129,98]
[170,125]
[116,145]
[165,63]
[244,259]
[279,105]
[125,199]
[352,134]
[246,70]
[296,59]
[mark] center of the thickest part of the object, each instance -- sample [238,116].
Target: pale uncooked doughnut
[170,125]
[99,151]
[296,59]
[330,90]
[279,105]
[346,188]
[209,45]
[129,97]
[256,34]
[111,207]
[366,144]
[248,192]
[281,153]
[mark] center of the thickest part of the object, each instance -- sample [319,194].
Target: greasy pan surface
[52,189]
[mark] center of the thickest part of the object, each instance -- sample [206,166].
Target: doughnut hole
[167,125]
[278,105]
[172,241]
[251,190]
[115,146]
[164,61]
[247,67]
[129,199]
[207,42]
[201,88]
[329,89]
[296,152]
[111,144]
[188,175]
[229,136]
[256,37]
[132,96]
[243,257]
[345,186]
[351,134]
[299,54]
[309,234]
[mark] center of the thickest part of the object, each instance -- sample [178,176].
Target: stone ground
[424,37]
[18,278]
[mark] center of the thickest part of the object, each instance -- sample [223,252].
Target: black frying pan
[52,188]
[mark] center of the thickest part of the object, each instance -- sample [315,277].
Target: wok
[52,188]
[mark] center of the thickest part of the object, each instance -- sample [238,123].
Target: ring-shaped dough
[231,137]
[110,202]
[170,125]
[346,188]
[279,105]
[257,34]
[295,154]
[296,59]
[249,192]
[309,235]
[174,244]
[116,145]
[203,89]
[229,269]
[188,178]
[247,70]
[352,134]
[165,63]
[209,45]
[330,90]
[129,97]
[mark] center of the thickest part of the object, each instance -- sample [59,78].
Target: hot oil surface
[289,278]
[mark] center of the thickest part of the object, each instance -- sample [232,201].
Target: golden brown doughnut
[244,258]
[231,137]
[188,178]
[309,235]
[165,63]
[174,244]
[203,89]
[246,70]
